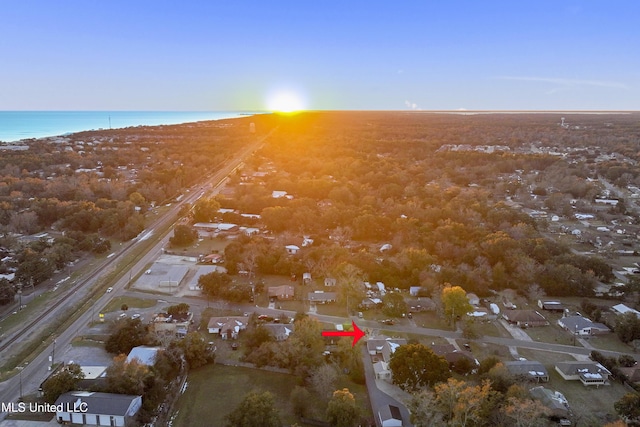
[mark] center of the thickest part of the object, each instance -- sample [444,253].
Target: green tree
[178,309]
[277,218]
[455,302]
[255,410]
[205,210]
[214,284]
[628,407]
[195,350]
[128,334]
[137,199]
[301,401]
[255,337]
[183,235]
[7,292]
[500,377]
[415,366]
[393,305]
[342,410]
[127,377]
[627,327]
[302,352]
[61,382]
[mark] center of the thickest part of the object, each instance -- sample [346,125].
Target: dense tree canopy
[342,410]
[256,410]
[415,366]
[66,379]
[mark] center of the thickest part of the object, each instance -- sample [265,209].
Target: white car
[135,316]
[109,289]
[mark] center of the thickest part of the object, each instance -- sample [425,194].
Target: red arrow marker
[356,333]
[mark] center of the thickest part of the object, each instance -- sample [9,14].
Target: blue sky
[376,55]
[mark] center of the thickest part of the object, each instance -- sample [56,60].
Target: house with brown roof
[451,354]
[282,293]
[525,318]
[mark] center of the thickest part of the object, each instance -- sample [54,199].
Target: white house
[97,409]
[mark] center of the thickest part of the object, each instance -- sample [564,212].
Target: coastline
[19,126]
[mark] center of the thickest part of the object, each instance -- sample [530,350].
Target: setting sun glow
[285,102]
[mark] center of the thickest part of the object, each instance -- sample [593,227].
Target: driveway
[377,397]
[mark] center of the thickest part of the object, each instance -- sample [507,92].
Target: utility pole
[53,354]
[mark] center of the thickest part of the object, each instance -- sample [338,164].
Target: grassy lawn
[592,406]
[429,319]
[547,358]
[609,342]
[116,303]
[550,334]
[491,329]
[215,390]
[483,350]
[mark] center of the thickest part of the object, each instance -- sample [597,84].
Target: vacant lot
[215,390]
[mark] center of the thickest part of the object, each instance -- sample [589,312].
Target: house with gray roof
[553,400]
[527,369]
[390,416]
[227,327]
[582,326]
[320,297]
[384,347]
[97,409]
[588,373]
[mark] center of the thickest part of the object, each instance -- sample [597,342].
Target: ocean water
[17,125]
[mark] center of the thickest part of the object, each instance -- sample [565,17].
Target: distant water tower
[252,127]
